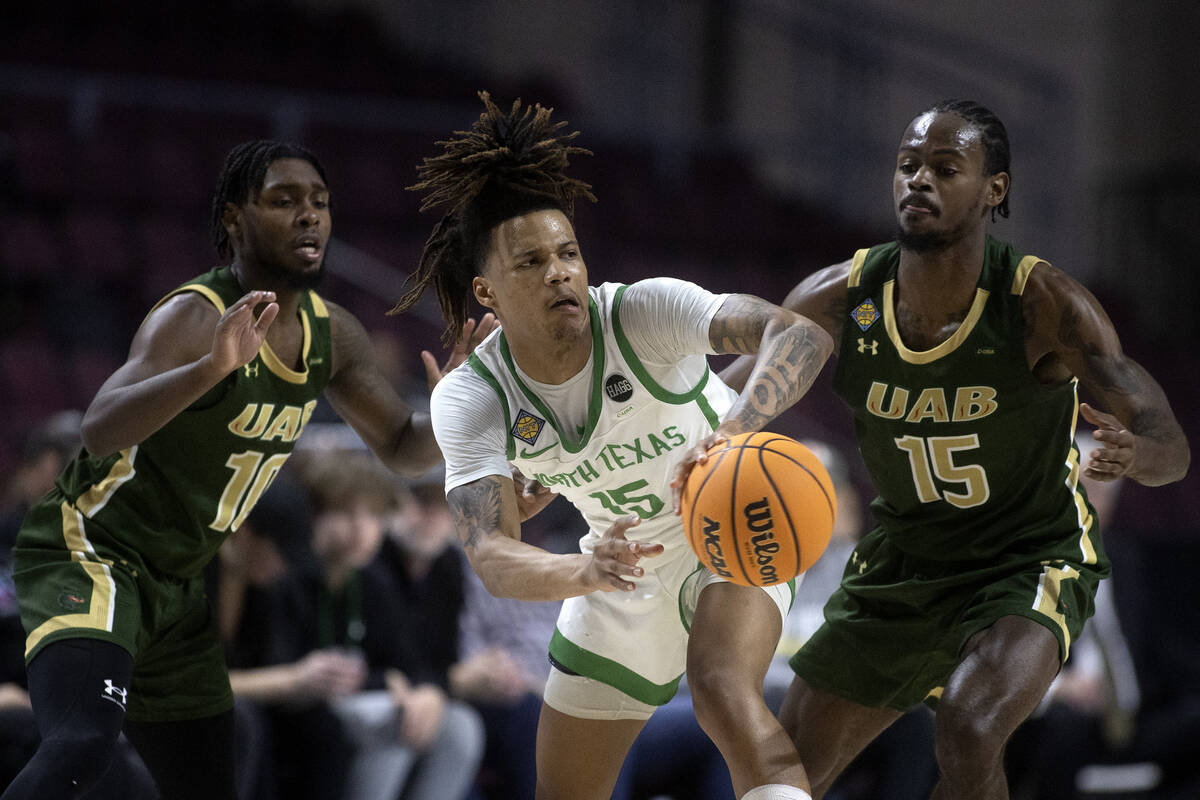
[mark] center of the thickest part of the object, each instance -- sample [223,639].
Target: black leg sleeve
[78,689]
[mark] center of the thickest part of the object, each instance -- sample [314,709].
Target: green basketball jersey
[971,455]
[172,499]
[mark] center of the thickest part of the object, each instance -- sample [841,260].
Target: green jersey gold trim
[856,267]
[1022,273]
[926,356]
[276,365]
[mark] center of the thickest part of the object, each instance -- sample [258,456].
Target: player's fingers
[464,337]
[622,585]
[266,317]
[648,549]
[1099,418]
[1113,437]
[433,373]
[1107,467]
[249,300]
[1102,476]
[622,524]
[487,323]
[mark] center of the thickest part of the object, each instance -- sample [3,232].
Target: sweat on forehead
[948,126]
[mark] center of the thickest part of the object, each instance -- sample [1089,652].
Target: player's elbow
[1185,461]
[821,339]
[489,570]
[94,435]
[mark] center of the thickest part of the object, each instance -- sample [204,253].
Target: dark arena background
[741,144]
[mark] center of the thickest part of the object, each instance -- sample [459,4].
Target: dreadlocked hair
[242,175]
[506,165]
[995,140]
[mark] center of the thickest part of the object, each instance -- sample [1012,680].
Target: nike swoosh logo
[527,454]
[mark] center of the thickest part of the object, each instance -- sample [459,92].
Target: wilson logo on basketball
[758,519]
[712,545]
[761,507]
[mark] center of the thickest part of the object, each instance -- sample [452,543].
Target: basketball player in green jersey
[599,392]
[960,359]
[179,443]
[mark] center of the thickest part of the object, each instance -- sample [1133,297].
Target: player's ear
[481,287]
[232,220]
[997,189]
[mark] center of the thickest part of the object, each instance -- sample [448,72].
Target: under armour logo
[251,370]
[861,563]
[114,694]
[864,347]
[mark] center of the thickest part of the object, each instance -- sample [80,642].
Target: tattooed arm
[790,348]
[487,518]
[1068,334]
[821,297]
[791,351]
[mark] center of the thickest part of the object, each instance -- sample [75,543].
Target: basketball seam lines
[699,491]
[762,462]
[799,464]
[733,521]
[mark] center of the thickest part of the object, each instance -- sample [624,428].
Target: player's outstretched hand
[240,334]
[1114,457]
[532,496]
[468,339]
[615,557]
[697,454]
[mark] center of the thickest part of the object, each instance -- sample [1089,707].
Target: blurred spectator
[289,742]
[393,601]
[45,452]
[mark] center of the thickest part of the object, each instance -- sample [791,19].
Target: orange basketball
[760,510]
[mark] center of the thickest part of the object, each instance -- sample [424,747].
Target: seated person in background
[290,744]
[503,666]
[394,602]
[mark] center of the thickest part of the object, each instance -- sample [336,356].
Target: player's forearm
[789,360]
[1162,457]
[123,416]
[513,569]
[414,451]
[486,518]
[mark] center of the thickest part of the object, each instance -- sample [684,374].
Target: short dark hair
[507,165]
[995,140]
[242,174]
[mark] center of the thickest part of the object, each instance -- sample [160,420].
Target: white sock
[776,791]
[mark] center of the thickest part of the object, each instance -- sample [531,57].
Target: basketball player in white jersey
[604,395]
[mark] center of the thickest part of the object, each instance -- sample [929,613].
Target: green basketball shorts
[70,585]
[895,629]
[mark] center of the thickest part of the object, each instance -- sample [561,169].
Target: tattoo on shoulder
[476,510]
[739,325]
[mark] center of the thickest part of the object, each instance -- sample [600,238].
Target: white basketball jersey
[622,459]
